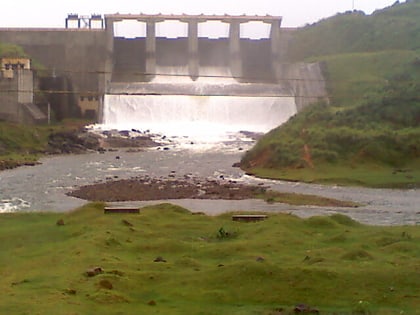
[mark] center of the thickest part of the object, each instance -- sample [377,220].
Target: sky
[52,13]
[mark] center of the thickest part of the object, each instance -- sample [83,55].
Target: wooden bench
[249,217]
[108,210]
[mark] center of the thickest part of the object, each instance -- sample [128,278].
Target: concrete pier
[150,48]
[193,49]
[235,49]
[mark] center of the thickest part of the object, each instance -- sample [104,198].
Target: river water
[43,187]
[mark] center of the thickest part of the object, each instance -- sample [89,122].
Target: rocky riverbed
[82,141]
[44,187]
[147,188]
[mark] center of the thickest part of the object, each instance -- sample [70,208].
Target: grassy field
[211,265]
[368,132]
[367,175]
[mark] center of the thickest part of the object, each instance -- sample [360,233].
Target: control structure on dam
[245,60]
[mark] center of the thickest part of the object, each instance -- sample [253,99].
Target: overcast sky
[52,13]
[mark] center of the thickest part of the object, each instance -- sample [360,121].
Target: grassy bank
[211,265]
[366,175]
[368,133]
[23,144]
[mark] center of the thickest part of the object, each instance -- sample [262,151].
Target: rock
[236,164]
[159,259]
[72,142]
[124,133]
[260,259]
[94,271]
[60,222]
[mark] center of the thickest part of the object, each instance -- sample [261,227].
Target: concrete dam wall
[130,59]
[77,54]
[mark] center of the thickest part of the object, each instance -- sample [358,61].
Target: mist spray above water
[197,118]
[200,118]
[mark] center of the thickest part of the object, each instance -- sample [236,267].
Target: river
[43,187]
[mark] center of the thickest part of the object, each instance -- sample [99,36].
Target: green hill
[167,261]
[369,131]
[393,28]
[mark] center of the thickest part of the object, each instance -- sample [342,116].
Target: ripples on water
[14,204]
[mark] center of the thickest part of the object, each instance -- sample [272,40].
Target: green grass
[272,196]
[367,175]
[397,27]
[26,143]
[369,129]
[332,263]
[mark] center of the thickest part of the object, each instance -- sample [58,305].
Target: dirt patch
[146,188]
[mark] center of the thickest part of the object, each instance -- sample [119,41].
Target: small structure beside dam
[93,72]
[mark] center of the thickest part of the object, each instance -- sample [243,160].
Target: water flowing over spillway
[209,108]
[187,115]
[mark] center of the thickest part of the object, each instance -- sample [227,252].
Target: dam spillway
[192,84]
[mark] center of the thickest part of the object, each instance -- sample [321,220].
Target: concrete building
[17,92]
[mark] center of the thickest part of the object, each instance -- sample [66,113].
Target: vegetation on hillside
[372,121]
[167,261]
[15,51]
[23,144]
[393,28]
[12,51]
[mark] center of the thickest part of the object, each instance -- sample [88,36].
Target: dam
[197,84]
[232,80]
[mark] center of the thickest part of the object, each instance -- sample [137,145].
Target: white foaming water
[13,204]
[199,119]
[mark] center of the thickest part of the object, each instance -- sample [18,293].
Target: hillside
[167,261]
[393,28]
[369,132]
